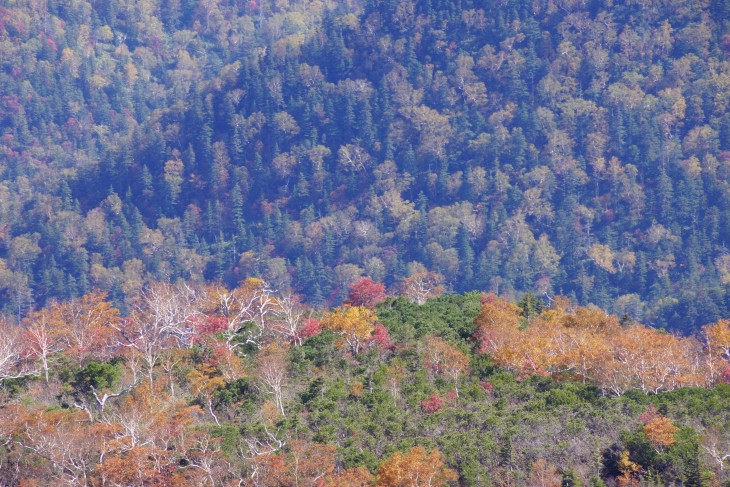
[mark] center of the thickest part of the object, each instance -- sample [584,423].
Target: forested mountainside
[579,148]
[204,386]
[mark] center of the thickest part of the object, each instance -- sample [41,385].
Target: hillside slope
[200,387]
[554,147]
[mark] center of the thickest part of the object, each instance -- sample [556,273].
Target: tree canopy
[565,148]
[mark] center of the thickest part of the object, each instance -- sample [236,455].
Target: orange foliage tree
[42,339]
[440,358]
[302,464]
[415,468]
[351,477]
[661,432]
[718,337]
[542,474]
[591,344]
[82,329]
[498,330]
[153,435]
[87,326]
[65,440]
[311,462]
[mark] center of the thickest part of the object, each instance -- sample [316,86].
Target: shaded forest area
[552,147]
[205,386]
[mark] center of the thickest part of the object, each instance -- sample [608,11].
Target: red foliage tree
[433,404]
[381,338]
[208,325]
[366,292]
[311,327]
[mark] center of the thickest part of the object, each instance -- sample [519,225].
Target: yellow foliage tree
[355,324]
[603,256]
[204,380]
[717,340]
[628,470]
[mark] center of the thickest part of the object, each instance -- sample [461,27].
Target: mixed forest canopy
[239,243]
[557,147]
[208,386]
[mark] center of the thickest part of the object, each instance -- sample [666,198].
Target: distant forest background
[557,147]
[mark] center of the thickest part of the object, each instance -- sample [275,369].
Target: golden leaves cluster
[355,324]
[591,345]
